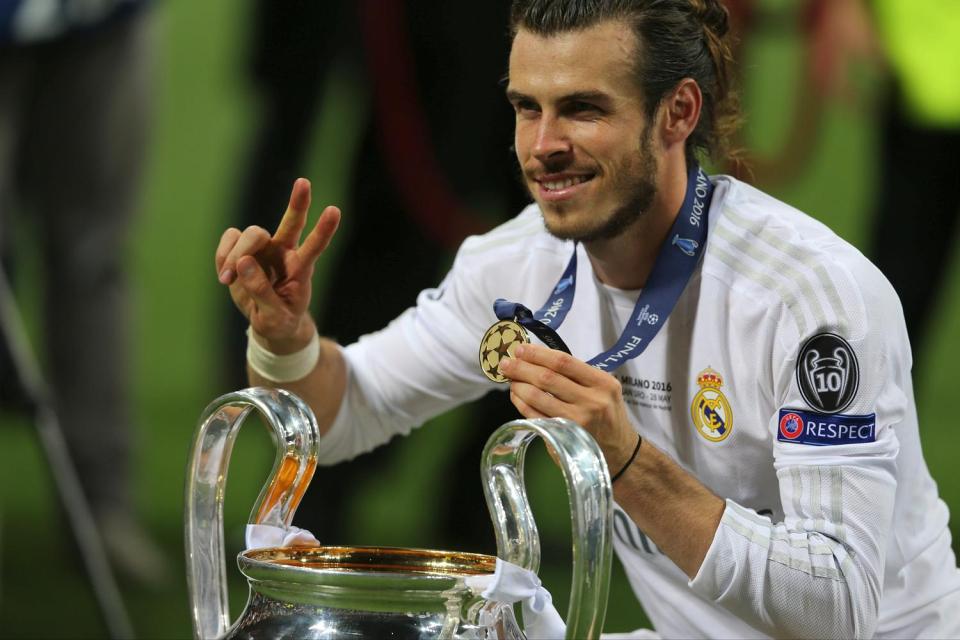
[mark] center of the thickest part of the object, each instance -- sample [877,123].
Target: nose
[551,138]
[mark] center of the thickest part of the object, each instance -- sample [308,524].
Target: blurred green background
[204,113]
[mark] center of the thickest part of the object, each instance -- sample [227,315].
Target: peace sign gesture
[269,276]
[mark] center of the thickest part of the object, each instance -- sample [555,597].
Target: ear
[680,112]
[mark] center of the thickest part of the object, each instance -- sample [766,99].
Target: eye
[583,108]
[526,108]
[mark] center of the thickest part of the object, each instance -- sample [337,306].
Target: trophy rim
[378,559]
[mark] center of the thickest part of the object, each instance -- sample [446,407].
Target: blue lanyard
[675,263]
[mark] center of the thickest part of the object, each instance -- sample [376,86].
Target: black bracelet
[633,457]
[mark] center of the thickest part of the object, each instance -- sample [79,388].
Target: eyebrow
[576,96]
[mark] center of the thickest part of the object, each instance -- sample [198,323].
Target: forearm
[322,388]
[755,568]
[670,506]
[759,570]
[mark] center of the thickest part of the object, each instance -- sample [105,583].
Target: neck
[625,261]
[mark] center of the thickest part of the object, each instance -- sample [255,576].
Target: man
[777,486]
[76,88]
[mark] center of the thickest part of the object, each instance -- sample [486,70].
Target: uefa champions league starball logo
[499,342]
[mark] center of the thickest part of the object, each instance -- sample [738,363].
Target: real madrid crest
[710,410]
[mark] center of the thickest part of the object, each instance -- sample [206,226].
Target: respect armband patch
[819,429]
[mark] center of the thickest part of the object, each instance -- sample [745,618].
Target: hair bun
[714,16]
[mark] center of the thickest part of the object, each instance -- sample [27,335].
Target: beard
[634,185]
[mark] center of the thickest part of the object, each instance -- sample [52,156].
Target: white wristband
[285,368]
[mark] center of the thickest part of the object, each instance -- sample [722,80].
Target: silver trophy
[377,592]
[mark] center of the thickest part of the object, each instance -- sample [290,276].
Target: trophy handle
[591,510]
[295,431]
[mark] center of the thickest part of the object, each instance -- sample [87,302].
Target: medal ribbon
[675,263]
[525,318]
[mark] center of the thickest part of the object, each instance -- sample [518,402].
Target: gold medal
[499,342]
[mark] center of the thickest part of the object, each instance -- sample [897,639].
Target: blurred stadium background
[204,116]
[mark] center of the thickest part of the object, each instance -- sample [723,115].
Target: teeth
[556,185]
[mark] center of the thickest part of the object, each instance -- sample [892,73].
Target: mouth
[562,186]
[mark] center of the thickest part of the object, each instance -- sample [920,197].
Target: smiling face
[582,137]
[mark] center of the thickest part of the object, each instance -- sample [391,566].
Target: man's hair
[676,39]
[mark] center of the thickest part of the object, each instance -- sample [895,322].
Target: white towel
[510,584]
[260,536]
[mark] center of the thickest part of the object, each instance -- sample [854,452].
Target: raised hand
[269,276]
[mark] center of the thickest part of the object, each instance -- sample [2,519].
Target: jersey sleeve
[423,363]
[842,391]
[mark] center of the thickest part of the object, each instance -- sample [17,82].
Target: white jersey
[781,381]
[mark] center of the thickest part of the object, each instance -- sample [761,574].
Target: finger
[227,241]
[319,238]
[540,401]
[251,241]
[562,363]
[295,217]
[543,378]
[525,410]
[256,285]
